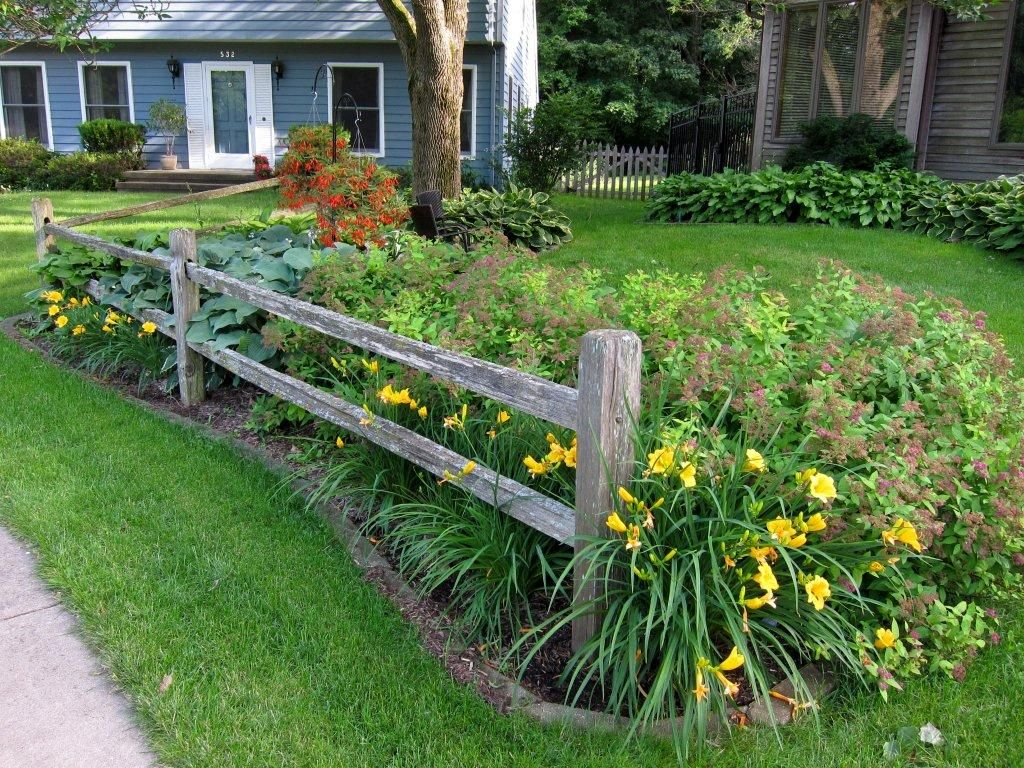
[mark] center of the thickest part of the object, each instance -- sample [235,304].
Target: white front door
[230,108]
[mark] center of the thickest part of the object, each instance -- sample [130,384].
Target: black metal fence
[713,136]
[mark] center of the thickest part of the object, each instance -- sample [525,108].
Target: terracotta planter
[168,162]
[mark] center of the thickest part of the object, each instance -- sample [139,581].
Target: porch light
[174,67]
[277,67]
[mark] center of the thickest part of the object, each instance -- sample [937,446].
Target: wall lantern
[174,67]
[277,67]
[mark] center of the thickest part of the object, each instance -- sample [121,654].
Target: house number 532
[227,54]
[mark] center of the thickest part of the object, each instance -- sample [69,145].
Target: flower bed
[840,479]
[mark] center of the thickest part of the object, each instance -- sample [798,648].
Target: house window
[840,58]
[1011,118]
[357,91]
[23,95]
[467,117]
[106,92]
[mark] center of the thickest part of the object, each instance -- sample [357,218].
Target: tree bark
[431,40]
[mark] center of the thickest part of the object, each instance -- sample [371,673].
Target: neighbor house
[244,72]
[954,88]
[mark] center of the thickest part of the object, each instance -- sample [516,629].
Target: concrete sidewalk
[57,707]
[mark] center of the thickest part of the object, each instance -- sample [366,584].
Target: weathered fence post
[185,295]
[609,401]
[42,214]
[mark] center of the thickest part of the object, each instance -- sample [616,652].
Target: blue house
[244,72]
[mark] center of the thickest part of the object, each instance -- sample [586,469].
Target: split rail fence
[617,172]
[599,410]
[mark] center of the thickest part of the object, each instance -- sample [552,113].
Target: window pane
[1011,124]
[797,70]
[883,59]
[107,113]
[363,127]
[21,89]
[106,86]
[839,60]
[361,83]
[466,116]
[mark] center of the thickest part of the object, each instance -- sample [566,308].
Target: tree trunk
[431,40]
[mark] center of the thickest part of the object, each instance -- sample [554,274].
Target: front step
[187,180]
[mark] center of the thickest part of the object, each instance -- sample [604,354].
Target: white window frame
[46,98]
[472,116]
[379,65]
[128,73]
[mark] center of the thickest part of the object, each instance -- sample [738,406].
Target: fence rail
[600,411]
[711,137]
[617,172]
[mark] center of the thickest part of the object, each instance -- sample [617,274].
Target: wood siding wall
[965,99]
[772,148]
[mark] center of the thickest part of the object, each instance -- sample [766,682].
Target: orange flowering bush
[356,200]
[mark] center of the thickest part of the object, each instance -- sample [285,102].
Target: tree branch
[401,21]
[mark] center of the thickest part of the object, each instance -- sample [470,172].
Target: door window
[230,111]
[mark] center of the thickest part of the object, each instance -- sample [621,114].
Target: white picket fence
[622,172]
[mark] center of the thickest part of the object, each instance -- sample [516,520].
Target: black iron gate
[713,136]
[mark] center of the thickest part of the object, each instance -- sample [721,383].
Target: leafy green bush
[854,143]
[20,161]
[816,193]
[989,213]
[523,216]
[544,142]
[84,171]
[112,137]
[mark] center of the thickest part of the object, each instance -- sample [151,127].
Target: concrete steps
[183,181]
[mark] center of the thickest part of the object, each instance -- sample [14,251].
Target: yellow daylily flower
[503,416]
[902,531]
[733,661]
[633,537]
[536,467]
[797,541]
[700,690]
[728,686]
[53,310]
[73,302]
[373,366]
[754,603]
[52,297]
[148,328]
[615,523]
[61,321]
[626,496]
[335,364]
[884,638]
[688,474]
[822,487]
[818,591]
[803,478]
[761,554]
[729,562]
[389,395]
[107,329]
[457,420]
[661,461]
[339,443]
[569,459]
[781,529]
[755,462]
[875,567]
[765,578]
[422,412]
[815,523]
[86,301]
[78,330]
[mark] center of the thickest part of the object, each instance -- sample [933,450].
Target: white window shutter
[263,120]
[195,115]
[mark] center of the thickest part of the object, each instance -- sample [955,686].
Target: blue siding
[293,100]
[238,20]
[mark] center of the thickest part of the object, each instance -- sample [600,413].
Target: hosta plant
[523,216]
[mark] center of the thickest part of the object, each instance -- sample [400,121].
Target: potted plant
[167,119]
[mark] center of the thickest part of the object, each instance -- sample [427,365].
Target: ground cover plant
[790,505]
[332,625]
[989,214]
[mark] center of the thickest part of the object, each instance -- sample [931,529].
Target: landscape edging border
[512,696]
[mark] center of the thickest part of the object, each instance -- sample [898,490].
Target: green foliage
[525,217]
[854,143]
[85,171]
[643,61]
[815,193]
[543,143]
[989,213]
[112,136]
[20,162]
[167,120]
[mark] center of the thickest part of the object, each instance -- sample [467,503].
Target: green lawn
[180,558]
[612,234]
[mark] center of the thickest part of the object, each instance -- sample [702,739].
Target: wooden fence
[600,410]
[619,172]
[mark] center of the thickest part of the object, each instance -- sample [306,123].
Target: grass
[180,558]
[612,235]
